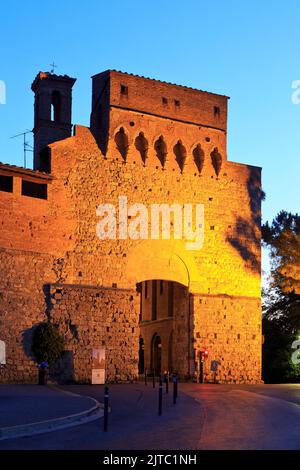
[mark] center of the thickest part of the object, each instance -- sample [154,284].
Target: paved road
[262,417]
[205,417]
[23,404]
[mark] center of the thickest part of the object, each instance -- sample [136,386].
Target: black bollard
[160,394]
[166,378]
[106,400]
[153,378]
[146,377]
[201,370]
[174,389]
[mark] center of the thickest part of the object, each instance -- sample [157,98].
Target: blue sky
[247,50]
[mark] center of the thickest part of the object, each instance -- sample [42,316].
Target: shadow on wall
[27,336]
[63,370]
[246,237]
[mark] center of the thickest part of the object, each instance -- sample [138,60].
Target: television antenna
[26,146]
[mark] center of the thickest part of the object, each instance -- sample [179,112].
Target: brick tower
[52,114]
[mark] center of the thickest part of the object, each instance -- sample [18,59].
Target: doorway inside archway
[165,326]
[156,354]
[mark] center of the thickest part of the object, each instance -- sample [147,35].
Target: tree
[277,352]
[47,343]
[281,312]
[283,237]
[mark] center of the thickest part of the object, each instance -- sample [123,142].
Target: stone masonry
[154,143]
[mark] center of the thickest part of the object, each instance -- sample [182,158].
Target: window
[177,103]
[146,290]
[164,101]
[154,300]
[31,189]
[170,299]
[6,183]
[161,287]
[124,90]
[55,106]
[216,111]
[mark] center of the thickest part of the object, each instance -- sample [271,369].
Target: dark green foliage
[277,352]
[47,344]
[281,322]
[283,238]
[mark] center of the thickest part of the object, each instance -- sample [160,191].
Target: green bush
[47,343]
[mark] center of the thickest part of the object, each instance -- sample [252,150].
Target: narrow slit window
[124,90]
[216,111]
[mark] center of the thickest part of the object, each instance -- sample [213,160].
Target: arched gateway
[59,260]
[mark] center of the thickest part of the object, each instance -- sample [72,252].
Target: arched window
[216,159]
[121,140]
[198,155]
[141,144]
[180,154]
[56,106]
[160,148]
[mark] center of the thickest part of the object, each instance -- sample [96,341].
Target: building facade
[151,301]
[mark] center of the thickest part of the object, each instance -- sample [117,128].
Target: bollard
[106,400]
[153,377]
[167,382]
[160,394]
[146,377]
[174,389]
[201,370]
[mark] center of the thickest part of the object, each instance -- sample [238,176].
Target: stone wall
[55,241]
[230,328]
[22,307]
[102,318]
[87,317]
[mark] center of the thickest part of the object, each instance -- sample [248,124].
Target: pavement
[235,417]
[33,409]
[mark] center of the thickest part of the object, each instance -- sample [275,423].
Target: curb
[56,424]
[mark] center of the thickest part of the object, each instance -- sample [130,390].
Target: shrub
[47,343]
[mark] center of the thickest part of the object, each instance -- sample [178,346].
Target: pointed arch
[160,148]
[198,155]
[216,159]
[141,144]
[180,154]
[121,141]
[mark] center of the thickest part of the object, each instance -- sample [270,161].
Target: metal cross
[53,67]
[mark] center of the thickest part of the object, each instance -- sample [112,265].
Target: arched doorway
[156,354]
[141,356]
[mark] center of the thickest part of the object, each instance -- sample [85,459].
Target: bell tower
[52,114]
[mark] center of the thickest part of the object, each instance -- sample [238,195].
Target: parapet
[153,97]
